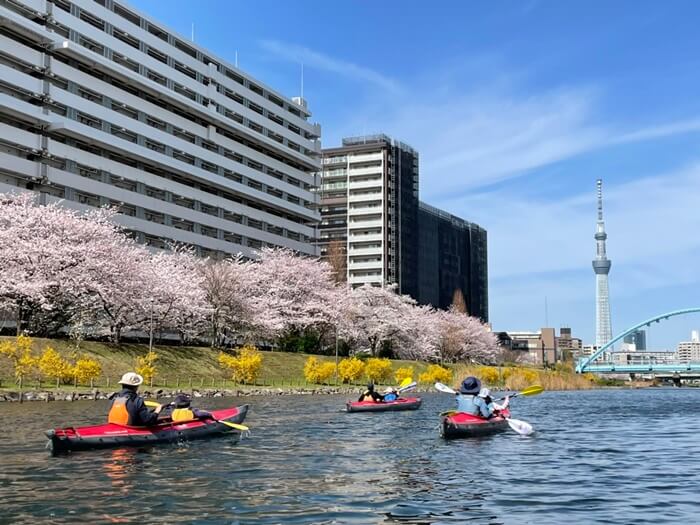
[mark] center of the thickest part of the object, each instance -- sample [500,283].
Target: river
[605,456]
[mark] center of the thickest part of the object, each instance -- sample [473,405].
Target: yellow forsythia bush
[489,375]
[403,373]
[146,365]
[316,371]
[378,370]
[245,365]
[20,353]
[350,369]
[436,373]
[87,369]
[53,366]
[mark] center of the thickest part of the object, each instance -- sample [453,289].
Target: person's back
[468,400]
[371,395]
[390,395]
[183,410]
[127,406]
[467,403]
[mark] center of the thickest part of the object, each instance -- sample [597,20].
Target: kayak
[407,403]
[111,435]
[461,425]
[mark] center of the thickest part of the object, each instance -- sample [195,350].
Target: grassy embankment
[198,367]
[193,366]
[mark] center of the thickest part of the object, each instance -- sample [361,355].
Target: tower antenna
[302,80]
[601,267]
[192,31]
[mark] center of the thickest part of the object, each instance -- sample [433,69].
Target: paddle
[521,427]
[409,386]
[529,391]
[227,423]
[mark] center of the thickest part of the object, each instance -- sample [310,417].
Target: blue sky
[516,108]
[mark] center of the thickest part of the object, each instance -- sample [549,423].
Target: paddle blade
[521,427]
[532,391]
[233,425]
[152,404]
[410,386]
[407,381]
[444,388]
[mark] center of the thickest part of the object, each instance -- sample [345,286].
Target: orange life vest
[118,414]
[182,414]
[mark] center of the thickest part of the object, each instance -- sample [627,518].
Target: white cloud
[311,58]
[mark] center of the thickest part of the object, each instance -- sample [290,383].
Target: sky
[516,108]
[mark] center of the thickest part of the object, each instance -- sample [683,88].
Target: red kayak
[111,435]
[461,425]
[403,403]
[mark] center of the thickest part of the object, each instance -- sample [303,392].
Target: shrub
[403,373]
[87,369]
[146,365]
[435,373]
[244,366]
[20,353]
[378,370]
[52,365]
[350,369]
[489,375]
[316,371]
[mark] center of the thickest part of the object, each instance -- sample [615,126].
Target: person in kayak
[371,395]
[390,394]
[474,400]
[128,407]
[183,410]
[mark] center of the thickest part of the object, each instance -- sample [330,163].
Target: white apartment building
[102,105]
[369,197]
[689,351]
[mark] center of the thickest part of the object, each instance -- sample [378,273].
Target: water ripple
[610,456]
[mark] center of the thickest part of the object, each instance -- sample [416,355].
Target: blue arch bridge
[670,370]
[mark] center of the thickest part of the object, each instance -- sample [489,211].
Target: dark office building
[453,256]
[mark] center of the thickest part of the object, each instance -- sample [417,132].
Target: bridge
[587,364]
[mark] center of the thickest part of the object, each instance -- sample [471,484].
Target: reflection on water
[597,457]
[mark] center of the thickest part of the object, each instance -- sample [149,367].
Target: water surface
[612,456]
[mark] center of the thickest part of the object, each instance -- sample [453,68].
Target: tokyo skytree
[601,267]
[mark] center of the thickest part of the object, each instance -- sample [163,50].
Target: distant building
[689,351]
[644,358]
[568,346]
[638,338]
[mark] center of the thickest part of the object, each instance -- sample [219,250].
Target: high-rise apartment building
[371,216]
[369,201]
[102,105]
[452,259]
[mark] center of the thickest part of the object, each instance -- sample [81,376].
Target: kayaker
[371,395]
[128,407]
[184,412]
[390,394]
[468,400]
[491,406]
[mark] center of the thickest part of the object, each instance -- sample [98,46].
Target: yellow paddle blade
[233,425]
[407,381]
[153,404]
[532,391]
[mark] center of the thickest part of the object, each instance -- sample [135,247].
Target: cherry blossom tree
[291,293]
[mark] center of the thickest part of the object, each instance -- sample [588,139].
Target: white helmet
[484,392]
[131,379]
